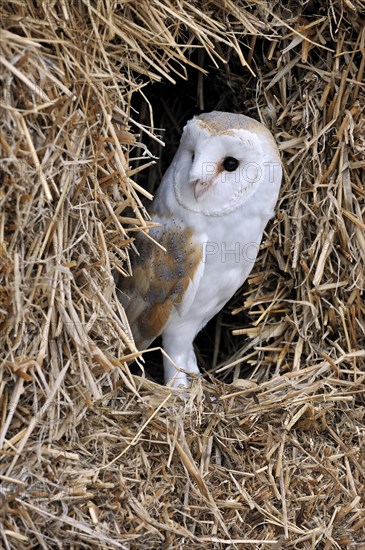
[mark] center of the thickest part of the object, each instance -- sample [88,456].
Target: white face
[216,173]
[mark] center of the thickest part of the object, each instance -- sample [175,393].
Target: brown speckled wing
[160,279]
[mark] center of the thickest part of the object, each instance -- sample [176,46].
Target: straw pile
[267,452]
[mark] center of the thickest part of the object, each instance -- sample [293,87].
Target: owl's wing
[161,280]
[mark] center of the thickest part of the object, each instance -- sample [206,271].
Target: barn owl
[211,208]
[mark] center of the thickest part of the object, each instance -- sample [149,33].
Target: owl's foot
[179,361]
[174,377]
[180,380]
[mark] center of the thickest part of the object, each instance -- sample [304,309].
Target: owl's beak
[200,187]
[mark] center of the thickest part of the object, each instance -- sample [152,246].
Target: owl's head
[222,160]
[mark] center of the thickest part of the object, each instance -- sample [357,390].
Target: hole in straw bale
[231,88]
[227,88]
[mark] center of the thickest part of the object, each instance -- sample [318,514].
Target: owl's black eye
[192,156]
[230,164]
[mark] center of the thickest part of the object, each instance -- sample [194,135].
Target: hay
[94,456]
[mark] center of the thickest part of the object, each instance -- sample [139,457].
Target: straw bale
[266,451]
